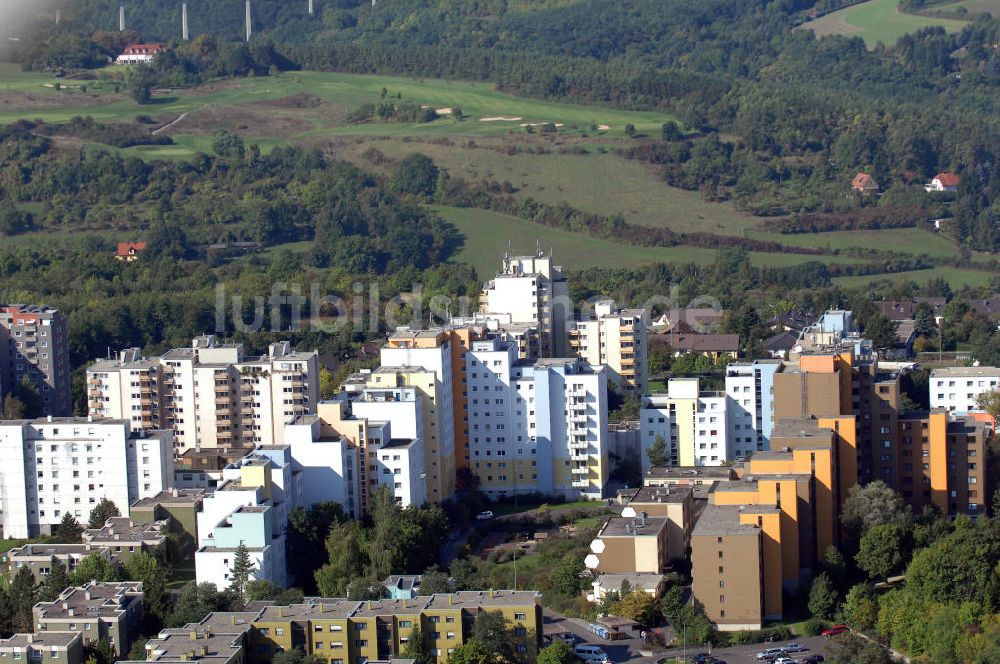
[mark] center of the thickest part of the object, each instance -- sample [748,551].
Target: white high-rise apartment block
[956,388]
[250,507]
[536,426]
[210,394]
[423,360]
[615,338]
[52,466]
[694,424]
[750,386]
[532,290]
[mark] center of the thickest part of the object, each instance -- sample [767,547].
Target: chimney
[642,519]
[310,7]
[184,21]
[193,635]
[121,18]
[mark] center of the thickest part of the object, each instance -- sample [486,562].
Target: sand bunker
[540,124]
[442,111]
[603,127]
[499,118]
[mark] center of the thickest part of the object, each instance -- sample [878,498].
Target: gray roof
[618,526]
[723,520]
[966,372]
[98,600]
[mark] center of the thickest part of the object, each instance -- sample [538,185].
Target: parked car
[812,659]
[705,658]
[588,652]
[835,630]
[484,516]
[769,655]
[785,660]
[794,647]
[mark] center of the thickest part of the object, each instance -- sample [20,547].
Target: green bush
[813,626]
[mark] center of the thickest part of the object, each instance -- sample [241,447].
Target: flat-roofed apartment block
[211,394]
[38,557]
[532,290]
[675,503]
[250,507]
[615,338]
[693,423]
[219,638]
[727,567]
[630,545]
[98,611]
[942,461]
[54,647]
[122,535]
[790,495]
[536,426]
[344,631]
[34,346]
[179,508]
[956,388]
[687,475]
[52,466]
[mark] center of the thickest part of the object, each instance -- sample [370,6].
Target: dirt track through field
[170,124]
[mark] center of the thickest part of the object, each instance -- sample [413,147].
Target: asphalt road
[629,650]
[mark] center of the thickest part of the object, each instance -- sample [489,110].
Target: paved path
[171,124]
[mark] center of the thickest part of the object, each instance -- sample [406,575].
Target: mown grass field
[246,100]
[487,233]
[956,277]
[907,240]
[877,21]
[597,182]
[972,6]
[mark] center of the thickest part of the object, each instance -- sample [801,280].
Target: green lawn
[956,277]
[486,234]
[908,240]
[972,6]
[344,91]
[8,544]
[877,21]
[597,182]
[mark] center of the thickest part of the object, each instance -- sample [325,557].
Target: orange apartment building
[788,497]
[941,460]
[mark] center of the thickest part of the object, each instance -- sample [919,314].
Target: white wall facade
[956,389]
[50,467]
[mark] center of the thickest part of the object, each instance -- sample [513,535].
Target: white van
[589,653]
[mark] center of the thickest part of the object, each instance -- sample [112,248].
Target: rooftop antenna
[184,21]
[249,27]
[121,18]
